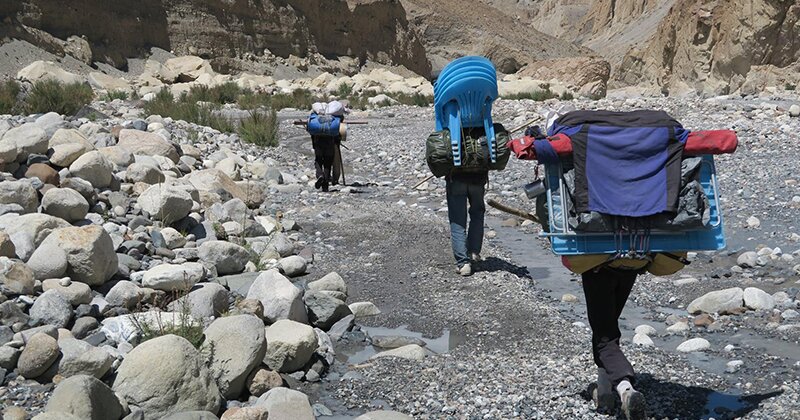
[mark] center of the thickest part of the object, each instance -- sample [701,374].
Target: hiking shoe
[319,182]
[603,393]
[465,270]
[324,185]
[475,257]
[634,405]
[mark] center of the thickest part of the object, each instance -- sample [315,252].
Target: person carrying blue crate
[464,148]
[625,193]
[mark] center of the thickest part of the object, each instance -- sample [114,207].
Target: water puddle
[359,354]
[724,406]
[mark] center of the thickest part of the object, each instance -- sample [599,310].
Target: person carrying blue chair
[464,148]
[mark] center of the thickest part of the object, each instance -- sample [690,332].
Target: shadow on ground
[494,264]
[676,401]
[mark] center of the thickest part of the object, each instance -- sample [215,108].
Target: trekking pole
[341,166]
[422,182]
[513,211]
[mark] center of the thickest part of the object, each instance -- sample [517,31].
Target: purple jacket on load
[626,163]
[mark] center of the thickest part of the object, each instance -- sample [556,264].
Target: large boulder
[52,308]
[38,355]
[65,203]
[108,83]
[75,292]
[49,261]
[64,136]
[90,253]
[28,139]
[216,185]
[237,346]
[166,203]
[142,172]
[167,375]
[44,173]
[757,299]
[28,231]
[173,277]
[20,193]
[206,300]
[47,70]
[186,68]
[147,144]
[228,257]
[85,397]
[290,345]
[81,358]
[64,154]
[16,276]
[284,403]
[293,266]
[280,298]
[93,167]
[331,282]
[720,301]
[324,310]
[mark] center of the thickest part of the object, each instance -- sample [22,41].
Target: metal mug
[535,189]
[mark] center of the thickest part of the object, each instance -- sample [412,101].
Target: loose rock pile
[145,274]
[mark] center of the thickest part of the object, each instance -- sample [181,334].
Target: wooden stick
[422,182]
[524,126]
[513,211]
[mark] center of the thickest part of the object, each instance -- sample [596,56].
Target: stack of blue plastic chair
[463,97]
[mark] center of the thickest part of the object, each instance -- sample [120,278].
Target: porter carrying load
[628,189]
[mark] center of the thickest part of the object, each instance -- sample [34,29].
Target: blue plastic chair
[463,97]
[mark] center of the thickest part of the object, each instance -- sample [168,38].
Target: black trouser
[606,292]
[324,153]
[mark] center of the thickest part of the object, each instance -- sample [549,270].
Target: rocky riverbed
[306,304]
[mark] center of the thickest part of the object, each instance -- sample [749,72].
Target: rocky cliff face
[452,28]
[375,30]
[711,46]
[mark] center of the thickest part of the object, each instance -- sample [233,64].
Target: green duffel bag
[475,152]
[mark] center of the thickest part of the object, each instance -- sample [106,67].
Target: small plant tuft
[790,86]
[9,91]
[260,129]
[116,94]
[52,96]
[567,96]
[344,90]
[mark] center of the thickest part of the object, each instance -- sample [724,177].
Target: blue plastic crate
[565,241]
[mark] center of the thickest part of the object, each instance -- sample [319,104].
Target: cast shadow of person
[494,264]
[676,401]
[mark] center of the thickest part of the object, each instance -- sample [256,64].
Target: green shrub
[179,322]
[165,105]
[416,99]
[790,86]
[344,90]
[9,91]
[252,100]
[260,129]
[226,93]
[567,96]
[116,94]
[52,96]
[537,95]
[299,99]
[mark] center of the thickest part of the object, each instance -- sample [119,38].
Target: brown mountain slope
[451,28]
